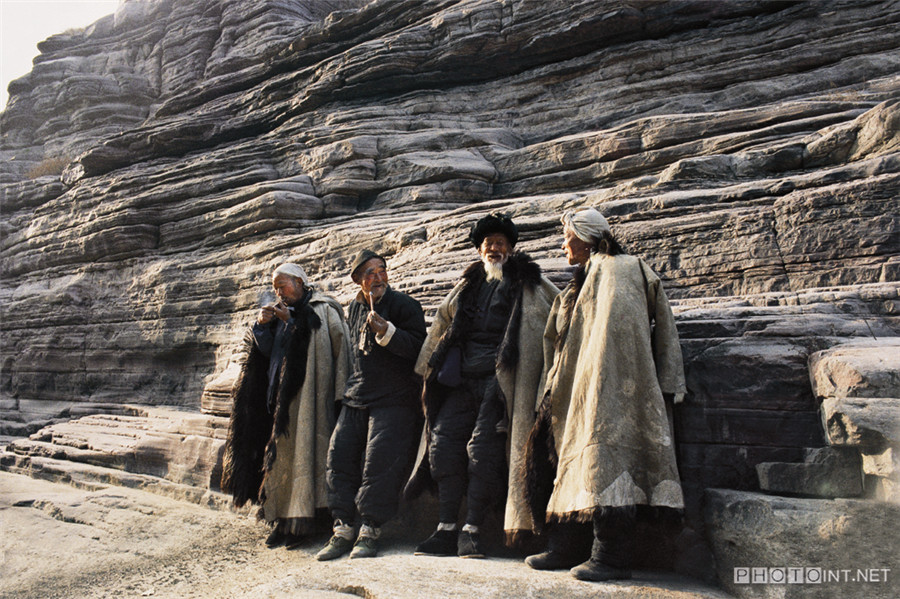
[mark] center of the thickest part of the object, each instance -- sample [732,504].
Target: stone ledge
[751,530]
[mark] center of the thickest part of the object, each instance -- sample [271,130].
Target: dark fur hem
[655,512]
[250,426]
[540,465]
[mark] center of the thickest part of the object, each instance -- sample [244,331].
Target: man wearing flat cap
[284,406]
[482,362]
[374,440]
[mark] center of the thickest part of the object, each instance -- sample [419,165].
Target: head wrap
[361,258]
[494,223]
[588,225]
[294,270]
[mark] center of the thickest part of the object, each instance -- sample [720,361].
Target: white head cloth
[588,225]
[294,270]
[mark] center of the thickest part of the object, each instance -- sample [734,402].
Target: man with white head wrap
[602,442]
[294,372]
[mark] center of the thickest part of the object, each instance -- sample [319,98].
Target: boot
[613,529]
[567,546]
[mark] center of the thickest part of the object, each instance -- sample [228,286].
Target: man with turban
[284,405]
[482,362]
[611,355]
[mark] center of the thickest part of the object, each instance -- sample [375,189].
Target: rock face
[157,165]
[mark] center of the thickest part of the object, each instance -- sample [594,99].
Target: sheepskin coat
[279,459]
[519,367]
[611,351]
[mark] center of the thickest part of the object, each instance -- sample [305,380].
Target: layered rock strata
[748,151]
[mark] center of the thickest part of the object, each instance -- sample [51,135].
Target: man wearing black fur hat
[375,436]
[294,372]
[482,363]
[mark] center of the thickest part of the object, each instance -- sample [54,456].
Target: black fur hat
[494,222]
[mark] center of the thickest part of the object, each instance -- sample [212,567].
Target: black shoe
[469,545]
[442,542]
[596,571]
[552,560]
[276,537]
[293,541]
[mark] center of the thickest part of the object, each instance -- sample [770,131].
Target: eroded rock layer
[158,164]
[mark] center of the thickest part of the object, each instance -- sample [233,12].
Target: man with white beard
[482,362]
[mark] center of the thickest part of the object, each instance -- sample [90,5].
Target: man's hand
[281,311]
[267,313]
[378,325]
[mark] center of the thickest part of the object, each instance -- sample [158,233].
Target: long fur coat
[611,352]
[519,365]
[278,459]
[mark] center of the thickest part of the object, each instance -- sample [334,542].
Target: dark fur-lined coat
[519,367]
[279,459]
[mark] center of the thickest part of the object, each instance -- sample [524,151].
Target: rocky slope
[157,165]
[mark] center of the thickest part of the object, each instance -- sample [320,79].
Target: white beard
[494,270]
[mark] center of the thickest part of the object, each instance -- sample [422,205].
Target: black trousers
[369,459]
[467,453]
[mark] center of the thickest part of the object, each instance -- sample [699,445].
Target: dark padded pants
[467,453]
[368,461]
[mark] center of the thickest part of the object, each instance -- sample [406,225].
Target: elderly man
[374,441]
[612,354]
[482,362]
[293,375]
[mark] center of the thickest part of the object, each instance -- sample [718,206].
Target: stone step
[826,472]
[768,546]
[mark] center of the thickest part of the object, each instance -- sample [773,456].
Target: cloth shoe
[364,547]
[469,545]
[552,560]
[594,570]
[442,542]
[336,547]
[276,537]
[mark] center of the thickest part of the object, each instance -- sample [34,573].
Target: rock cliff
[157,165]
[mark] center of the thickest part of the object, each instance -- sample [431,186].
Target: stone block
[828,472]
[871,423]
[851,546]
[865,368]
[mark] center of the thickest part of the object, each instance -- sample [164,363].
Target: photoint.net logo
[809,575]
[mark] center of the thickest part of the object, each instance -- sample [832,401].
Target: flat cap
[361,258]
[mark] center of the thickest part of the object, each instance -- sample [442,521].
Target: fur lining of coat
[279,460]
[250,448]
[518,368]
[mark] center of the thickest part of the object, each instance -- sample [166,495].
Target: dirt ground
[59,541]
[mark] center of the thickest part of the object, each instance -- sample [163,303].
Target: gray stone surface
[60,542]
[826,472]
[869,368]
[852,540]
